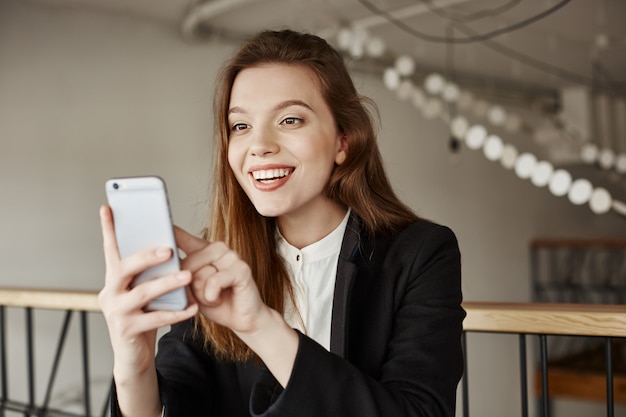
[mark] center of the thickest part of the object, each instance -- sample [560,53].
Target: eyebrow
[279,106]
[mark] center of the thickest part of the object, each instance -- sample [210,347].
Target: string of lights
[485,40]
[437,92]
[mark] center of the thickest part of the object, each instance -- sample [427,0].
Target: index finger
[109,242]
[188,242]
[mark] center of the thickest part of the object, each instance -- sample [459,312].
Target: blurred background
[505,120]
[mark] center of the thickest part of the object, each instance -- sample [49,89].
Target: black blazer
[395,342]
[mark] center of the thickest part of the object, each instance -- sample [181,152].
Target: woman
[315,291]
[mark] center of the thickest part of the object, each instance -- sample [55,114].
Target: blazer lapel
[346,272]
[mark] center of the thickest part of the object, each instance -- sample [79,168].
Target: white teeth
[270,174]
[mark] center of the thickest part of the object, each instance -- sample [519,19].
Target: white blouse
[313,271]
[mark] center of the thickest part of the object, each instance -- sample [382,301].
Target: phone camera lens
[116,186]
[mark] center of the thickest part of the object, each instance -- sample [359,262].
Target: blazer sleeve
[422,363]
[185,376]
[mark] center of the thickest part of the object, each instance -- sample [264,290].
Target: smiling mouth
[267,176]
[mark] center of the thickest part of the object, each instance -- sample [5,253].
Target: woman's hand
[132,330]
[227,294]
[222,283]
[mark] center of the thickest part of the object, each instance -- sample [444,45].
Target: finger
[225,260]
[152,320]
[209,255]
[200,279]
[188,242]
[109,243]
[148,291]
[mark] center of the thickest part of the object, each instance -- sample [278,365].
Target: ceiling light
[560,182]
[606,158]
[405,65]
[450,93]
[357,50]
[375,47]
[391,78]
[433,107]
[493,148]
[466,99]
[496,115]
[344,38]
[475,136]
[580,192]
[542,173]
[404,90]
[620,163]
[434,83]
[589,153]
[509,156]
[600,201]
[525,165]
[513,123]
[459,126]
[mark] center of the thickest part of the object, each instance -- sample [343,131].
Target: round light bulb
[404,90]
[375,47]
[606,158]
[466,99]
[513,123]
[458,127]
[451,93]
[580,192]
[620,163]
[542,173]
[600,201]
[434,83]
[433,107]
[475,136]
[493,148]
[589,153]
[525,165]
[391,79]
[496,115]
[509,156]
[344,38]
[560,182]
[405,65]
[357,50]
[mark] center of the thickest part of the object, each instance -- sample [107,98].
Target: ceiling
[577,42]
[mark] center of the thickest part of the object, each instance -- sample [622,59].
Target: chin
[269,211]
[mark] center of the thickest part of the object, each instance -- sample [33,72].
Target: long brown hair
[359,183]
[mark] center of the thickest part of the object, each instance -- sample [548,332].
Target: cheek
[234,159]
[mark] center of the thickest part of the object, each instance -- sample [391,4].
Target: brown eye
[292,120]
[237,127]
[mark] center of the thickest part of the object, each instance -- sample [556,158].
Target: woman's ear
[342,152]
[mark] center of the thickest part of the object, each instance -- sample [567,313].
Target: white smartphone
[143,220]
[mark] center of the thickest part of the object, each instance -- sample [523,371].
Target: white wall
[86,95]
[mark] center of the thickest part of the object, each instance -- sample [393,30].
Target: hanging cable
[496,11]
[469,39]
[542,65]
[484,39]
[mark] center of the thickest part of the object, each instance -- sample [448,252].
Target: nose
[264,142]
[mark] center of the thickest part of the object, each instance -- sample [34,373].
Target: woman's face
[283,140]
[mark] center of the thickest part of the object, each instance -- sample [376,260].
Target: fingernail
[163,252]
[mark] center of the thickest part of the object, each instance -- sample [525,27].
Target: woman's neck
[304,229]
